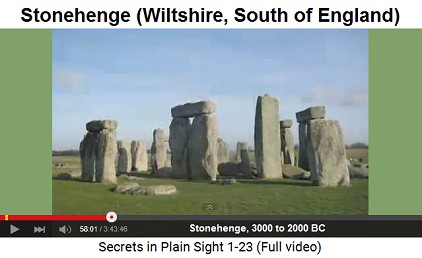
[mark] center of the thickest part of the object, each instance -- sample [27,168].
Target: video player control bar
[212,228]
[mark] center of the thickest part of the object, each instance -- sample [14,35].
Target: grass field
[245,197]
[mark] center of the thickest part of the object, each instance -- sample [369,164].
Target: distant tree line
[357,145]
[66,153]
[76,152]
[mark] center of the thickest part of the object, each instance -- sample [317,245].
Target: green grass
[245,197]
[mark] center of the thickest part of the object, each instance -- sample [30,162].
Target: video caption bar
[103,226]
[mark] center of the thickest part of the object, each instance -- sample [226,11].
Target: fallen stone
[229,169]
[64,176]
[193,109]
[164,172]
[153,190]
[129,178]
[327,153]
[126,188]
[267,138]
[306,175]
[99,125]
[226,181]
[359,171]
[317,112]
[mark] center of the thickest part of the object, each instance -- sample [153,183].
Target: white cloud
[69,79]
[338,97]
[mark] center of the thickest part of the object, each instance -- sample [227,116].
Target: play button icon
[13,229]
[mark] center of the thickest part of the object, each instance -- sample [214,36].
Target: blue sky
[137,76]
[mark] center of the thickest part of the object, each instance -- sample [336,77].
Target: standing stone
[98,152]
[239,147]
[222,152]
[106,157]
[158,150]
[287,142]
[303,156]
[178,141]
[139,155]
[202,148]
[327,153]
[245,164]
[267,138]
[88,154]
[124,162]
[302,117]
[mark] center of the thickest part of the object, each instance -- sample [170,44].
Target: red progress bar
[58,217]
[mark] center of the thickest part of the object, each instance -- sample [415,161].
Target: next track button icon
[39,229]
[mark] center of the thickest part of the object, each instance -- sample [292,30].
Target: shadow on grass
[281,182]
[67,179]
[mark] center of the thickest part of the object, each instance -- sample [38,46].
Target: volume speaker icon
[65,229]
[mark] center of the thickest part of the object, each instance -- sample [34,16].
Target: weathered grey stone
[245,164]
[158,150]
[306,175]
[139,155]
[64,176]
[126,188]
[202,148]
[167,164]
[88,154]
[287,123]
[193,109]
[267,138]
[98,152]
[303,156]
[358,172]
[239,147]
[98,125]
[287,145]
[229,169]
[124,162]
[153,190]
[327,153]
[226,181]
[129,178]
[178,141]
[105,171]
[165,172]
[317,112]
[293,172]
[222,152]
